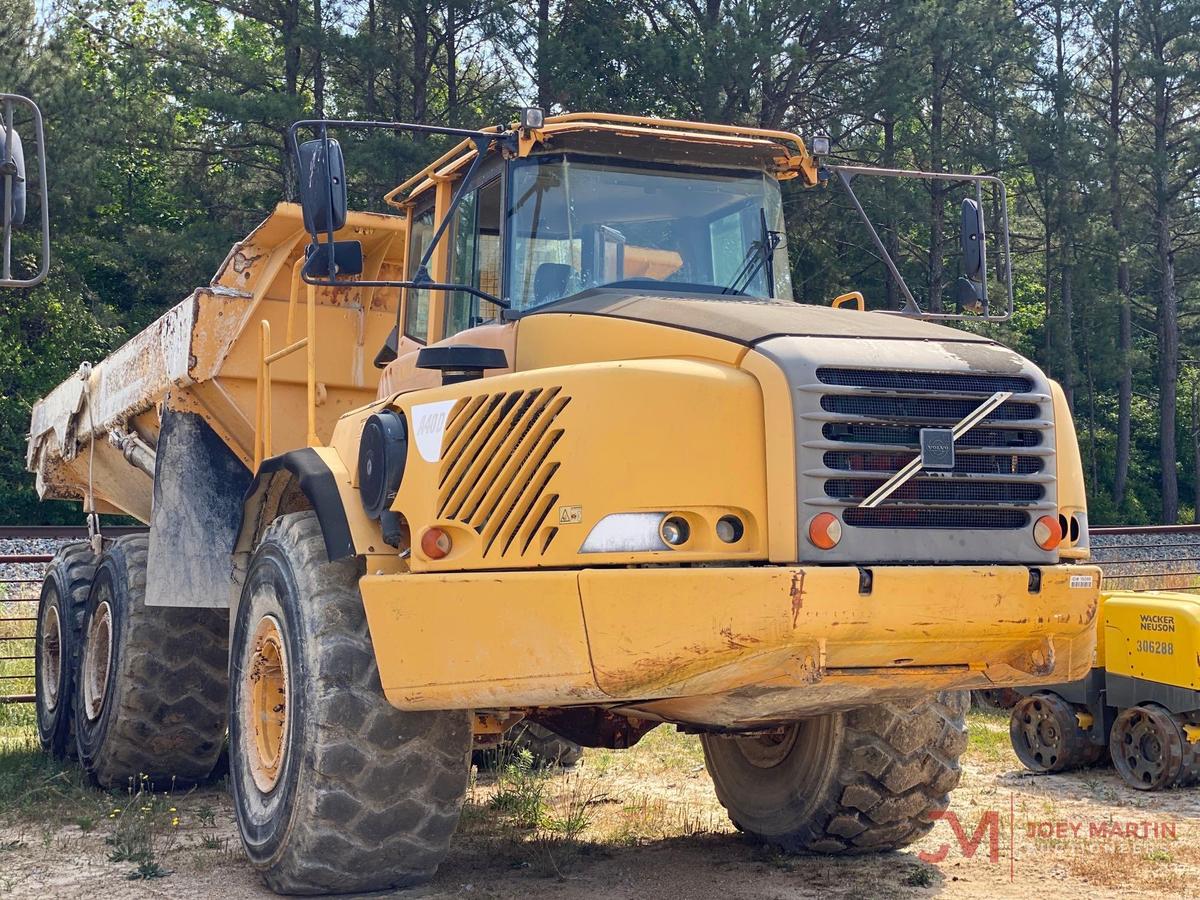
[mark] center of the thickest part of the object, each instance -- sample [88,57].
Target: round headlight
[382,453]
[730,529]
[675,530]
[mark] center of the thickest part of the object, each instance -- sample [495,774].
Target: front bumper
[726,647]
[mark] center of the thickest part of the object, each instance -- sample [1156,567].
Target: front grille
[498,466]
[873,420]
[933,412]
[925,381]
[887,517]
[977,464]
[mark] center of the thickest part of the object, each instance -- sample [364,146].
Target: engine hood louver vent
[498,467]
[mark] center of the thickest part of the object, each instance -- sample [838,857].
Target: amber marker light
[435,543]
[824,531]
[1047,532]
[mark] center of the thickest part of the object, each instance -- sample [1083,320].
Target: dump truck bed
[204,356]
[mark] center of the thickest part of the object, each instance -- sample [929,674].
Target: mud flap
[198,490]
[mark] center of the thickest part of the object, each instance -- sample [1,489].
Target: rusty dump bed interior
[203,355]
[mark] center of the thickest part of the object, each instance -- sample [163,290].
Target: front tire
[335,790]
[56,654]
[867,780]
[151,693]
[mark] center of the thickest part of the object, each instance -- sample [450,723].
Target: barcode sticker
[1081,581]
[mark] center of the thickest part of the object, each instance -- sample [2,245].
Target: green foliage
[167,125]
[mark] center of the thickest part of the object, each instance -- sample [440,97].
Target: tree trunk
[891,235]
[318,63]
[451,64]
[1168,301]
[1168,364]
[1117,217]
[1195,452]
[371,103]
[543,54]
[289,33]
[937,205]
[1067,304]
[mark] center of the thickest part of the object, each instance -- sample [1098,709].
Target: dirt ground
[637,823]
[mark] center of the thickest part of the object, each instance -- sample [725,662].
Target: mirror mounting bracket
[421,280]
[847,174]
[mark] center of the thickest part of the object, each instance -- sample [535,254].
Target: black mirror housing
[347,260]
[971,237]
[322,185]
[12,171]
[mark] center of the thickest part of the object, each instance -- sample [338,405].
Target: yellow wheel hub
[267,698]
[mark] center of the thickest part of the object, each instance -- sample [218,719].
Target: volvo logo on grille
[937,448]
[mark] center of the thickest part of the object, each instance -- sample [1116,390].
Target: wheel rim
[97,659]
[1042,738]
[1148,748]
[766,751]
[50,658]
[267,703]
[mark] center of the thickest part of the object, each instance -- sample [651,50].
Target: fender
[274,491]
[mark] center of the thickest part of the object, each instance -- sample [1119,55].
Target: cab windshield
[575,223]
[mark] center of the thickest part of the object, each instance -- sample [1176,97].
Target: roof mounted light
[820,144]
[532,117]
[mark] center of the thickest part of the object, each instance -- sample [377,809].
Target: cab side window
[416,318]
[476,258]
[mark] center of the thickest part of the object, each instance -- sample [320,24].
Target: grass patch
[987,736]
[34,786]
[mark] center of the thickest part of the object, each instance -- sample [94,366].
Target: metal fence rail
[18,622]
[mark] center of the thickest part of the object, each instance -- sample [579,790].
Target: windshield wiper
[761,253]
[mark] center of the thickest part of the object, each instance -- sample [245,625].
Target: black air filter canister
[382,453]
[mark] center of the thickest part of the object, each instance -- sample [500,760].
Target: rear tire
[335,790]
[1046,736]
[868,780]
[56,644]
[150,698]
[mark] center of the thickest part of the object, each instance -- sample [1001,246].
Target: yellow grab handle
[856,296]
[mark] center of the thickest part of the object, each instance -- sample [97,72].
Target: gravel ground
[1162,561]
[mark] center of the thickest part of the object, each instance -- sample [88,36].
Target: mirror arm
[481,145]
[414,284]
[910,304]
[846,174]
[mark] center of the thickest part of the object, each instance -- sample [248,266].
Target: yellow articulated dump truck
[552,443]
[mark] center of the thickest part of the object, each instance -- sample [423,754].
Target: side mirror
[15,187]
[322,185]
[972,239]
[12,171]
